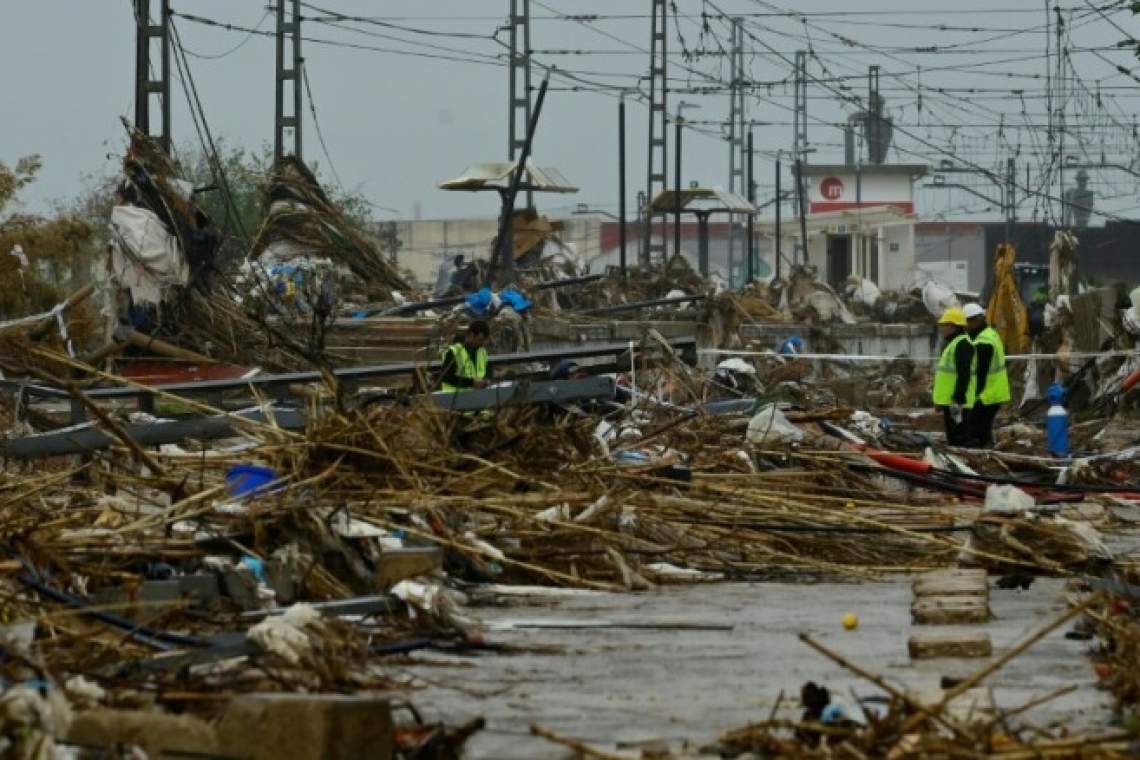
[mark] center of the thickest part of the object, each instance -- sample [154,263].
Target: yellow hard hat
[953,316]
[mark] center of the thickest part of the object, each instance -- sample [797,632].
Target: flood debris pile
[638,295]
[234,295]
[1113,625]
[617,497]
[167,283]
[307,257]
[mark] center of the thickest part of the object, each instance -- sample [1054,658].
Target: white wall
[426,244]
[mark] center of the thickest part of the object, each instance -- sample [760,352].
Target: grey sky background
[407,93]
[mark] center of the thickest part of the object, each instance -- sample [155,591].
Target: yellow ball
[850,621]
[849,505]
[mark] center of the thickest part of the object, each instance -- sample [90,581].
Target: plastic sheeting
[145,258]
[938,298]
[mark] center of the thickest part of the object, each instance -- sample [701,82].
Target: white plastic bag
[938,298]
[769,425]
[1008,500]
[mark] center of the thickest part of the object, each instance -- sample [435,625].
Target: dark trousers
[981,421]
[958,433]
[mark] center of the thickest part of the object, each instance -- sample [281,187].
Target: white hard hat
[972,310]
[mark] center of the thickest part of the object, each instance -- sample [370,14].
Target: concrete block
[971,707]
[240,584]
[159,734]
[200,586]
[931,645]
[304,727]
[397,565]
[950,610]
[952,583]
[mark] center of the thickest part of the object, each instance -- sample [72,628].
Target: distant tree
[230,188]
[42,259]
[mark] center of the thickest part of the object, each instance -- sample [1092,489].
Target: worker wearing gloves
[465,360]
[991,378]
[954,377]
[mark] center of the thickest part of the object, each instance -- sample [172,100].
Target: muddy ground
[621,684]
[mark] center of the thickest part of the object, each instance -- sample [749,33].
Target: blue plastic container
[250,480]
[1057,421]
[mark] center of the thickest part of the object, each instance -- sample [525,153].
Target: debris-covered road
[640,679]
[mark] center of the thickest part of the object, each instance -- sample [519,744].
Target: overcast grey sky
[412,91]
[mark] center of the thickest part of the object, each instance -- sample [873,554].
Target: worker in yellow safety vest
[954,379]
[465,360]
[991,375]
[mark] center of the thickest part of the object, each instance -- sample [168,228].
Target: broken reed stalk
[113,427]
[494,466]
[581,748]
[1042,564]
[932,712]
[240,423]
[1035,702]
[462,547]
[1069,748]
[180,510]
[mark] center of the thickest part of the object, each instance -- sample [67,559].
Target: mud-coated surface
[606,685]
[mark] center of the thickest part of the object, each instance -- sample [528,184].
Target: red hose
[899,462]
[1130,381]
[919,467]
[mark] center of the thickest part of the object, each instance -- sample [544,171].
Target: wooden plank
[930,645]
[952,583]
[397,565]
[950,610]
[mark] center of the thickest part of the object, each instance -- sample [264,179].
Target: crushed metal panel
[483,177]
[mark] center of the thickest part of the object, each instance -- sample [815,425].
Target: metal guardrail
[87,439]
[81,439]
[277,387]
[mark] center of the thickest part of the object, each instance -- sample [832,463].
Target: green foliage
[14,180]
[60,250]
[232,192]
[238,178]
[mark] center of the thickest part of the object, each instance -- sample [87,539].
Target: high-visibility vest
[946,375]
[997,380]
[466,366]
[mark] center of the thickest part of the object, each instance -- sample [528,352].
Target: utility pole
[750,243]
[801,137]
[519,106]
[802,205]
[779,203]
[677,194]
[622,227]
[1010,199]
[146,84]
[736,120]
[1060,103]
[656,166]
[801,145]
[872,132]
[288,75]
[505,242]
